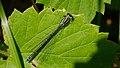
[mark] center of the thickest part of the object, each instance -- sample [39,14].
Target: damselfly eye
[53,9]
[70,16]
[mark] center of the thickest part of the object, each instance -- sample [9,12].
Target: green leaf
[2,63]
[107,1]
[86,7]
[9,63]
[76,45]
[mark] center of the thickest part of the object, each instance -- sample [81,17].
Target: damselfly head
[70,16]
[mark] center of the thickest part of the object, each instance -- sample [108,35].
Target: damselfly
[64,22]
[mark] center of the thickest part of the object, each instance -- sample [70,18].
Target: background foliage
[77,45]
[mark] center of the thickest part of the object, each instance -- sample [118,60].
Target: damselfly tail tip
[28,59]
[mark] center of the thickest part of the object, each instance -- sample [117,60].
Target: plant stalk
[10,39]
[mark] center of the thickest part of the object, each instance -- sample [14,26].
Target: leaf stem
[11,42]
[119,27]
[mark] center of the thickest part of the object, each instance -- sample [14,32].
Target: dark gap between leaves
[109,22]
[39,7]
